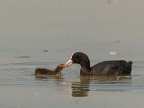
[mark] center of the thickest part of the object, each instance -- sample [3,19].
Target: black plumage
[105,68]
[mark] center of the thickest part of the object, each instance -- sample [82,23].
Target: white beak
[68,63]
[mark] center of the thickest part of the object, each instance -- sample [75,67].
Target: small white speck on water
[63,83]
[112,53]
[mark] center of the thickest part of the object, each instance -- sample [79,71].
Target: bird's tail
[129,67]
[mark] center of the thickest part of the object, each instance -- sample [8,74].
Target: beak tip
[68,63]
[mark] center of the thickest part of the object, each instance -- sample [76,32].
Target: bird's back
[43,71]
[118,67]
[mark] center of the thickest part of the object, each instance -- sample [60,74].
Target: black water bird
[105,68]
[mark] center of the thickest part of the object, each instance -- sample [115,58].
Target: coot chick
[43,71]
[105,68]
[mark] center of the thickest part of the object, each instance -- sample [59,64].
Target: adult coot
[43,71]
[105,68]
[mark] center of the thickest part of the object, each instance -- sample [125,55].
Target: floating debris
[117,41]
[36,94]
[45,51]
[112,1]
[63,83]
[23,57]
[113,53]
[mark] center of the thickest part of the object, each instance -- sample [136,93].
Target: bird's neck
[85,64]
[58,70]
[85,69]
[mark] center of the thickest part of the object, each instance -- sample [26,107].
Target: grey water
[45,33]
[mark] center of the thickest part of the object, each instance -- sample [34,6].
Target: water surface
[46,33]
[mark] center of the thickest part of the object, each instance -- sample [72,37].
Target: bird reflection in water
[86,84]
[80,89]
[95,83]
[59,79]
[59,76]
